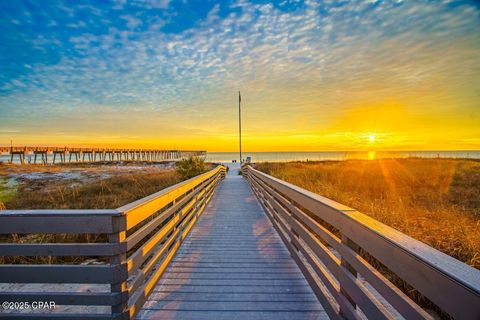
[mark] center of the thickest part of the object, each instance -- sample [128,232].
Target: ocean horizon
[286,156]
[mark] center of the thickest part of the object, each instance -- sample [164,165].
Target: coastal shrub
[191,167]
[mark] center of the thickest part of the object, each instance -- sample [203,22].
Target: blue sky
[148,72]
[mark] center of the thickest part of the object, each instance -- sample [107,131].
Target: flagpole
[240,124]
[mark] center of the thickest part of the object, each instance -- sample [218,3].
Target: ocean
[337,155]
[313,156]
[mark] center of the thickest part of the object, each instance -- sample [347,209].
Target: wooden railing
[339,250]
[137,241]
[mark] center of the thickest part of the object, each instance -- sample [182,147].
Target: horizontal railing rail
[132,248]
[337,248]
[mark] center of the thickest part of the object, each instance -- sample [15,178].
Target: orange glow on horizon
[388,125]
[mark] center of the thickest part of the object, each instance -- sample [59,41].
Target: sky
[314,75]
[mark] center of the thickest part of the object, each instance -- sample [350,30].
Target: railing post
[120,259]
[344,263]
[223,173]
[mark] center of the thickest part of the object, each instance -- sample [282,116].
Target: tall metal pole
[240,124]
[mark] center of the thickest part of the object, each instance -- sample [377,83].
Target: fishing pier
[54,155]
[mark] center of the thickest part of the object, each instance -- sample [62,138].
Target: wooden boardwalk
[233,265]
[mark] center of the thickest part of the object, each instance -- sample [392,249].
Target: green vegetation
[191,167]
[436,201]
[7,191]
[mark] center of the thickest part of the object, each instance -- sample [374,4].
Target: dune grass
[7,192]
[106,193]
[436,201]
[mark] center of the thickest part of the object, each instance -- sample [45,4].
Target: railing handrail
[129,207]
[290,202]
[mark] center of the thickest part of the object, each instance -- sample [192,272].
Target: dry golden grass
[81,185]
[436,201]
[106,193]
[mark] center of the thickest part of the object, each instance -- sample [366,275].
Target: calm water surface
[318,156]
[311,156]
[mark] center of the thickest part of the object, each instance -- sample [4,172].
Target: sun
[371,138]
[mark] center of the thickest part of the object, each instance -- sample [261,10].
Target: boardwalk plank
[233,305]
[246,296]
[231,315]
[234,276]
[232,289]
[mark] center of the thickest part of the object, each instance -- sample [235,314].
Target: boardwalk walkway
[233,265]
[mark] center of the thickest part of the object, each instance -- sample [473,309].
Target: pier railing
[134,244]
[347,256]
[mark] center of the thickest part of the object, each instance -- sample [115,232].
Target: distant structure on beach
[25,154]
